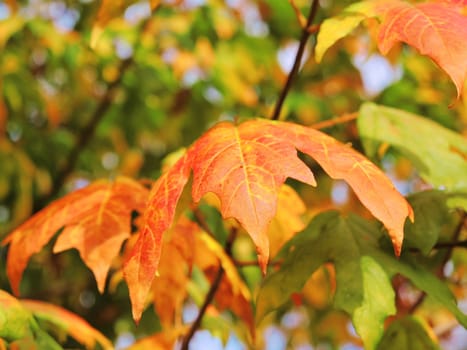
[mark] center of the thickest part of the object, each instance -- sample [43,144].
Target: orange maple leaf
[245,166]
[436,29]
[96,220]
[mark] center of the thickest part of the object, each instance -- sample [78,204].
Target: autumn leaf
[19,322]
[335,28]
[435,29]
[287,221]
[141,266]
[232,292]
[158,341]
[245,166]
[14,318]
[96,221]
[72,324]
[169,288]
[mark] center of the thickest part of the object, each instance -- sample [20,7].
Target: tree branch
[86,134]
[255,263]
[454,244]
[211,293]
[298,59]
[450,245]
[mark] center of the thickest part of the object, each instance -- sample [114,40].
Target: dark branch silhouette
[306,32]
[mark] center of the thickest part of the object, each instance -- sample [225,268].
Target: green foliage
[407,333]
[436,152]
[377,304]
[345,242]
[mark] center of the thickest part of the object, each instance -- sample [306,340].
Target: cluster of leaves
[88,91]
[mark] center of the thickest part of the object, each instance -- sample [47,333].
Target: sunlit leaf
[72,324]
[15,320]
[245,167]
[158,341]
[141,265]
[169,288]
[96,221]
[439,154]
[378,303]
[287,221]
[338,27]
[435,29]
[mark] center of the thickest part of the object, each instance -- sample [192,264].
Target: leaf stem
[335,121]
[211,293]
[298,59]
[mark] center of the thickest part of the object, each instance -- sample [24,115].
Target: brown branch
[298,59]
[454,244]
[255,263]
[335,121]
[211,293]
[450,246]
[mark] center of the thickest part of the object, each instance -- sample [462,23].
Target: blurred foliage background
[95,89]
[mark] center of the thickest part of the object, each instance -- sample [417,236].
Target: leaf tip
[263,259]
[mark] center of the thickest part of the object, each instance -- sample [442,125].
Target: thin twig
[448,255]
[255,263]
[211,293]
[454,244]
[300,17]
[86,134]
[298,59]
[335,121]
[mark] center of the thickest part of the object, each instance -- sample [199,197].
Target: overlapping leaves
[352,245]
[436,29]
[20,325]
[438,154]
[96,221]
[245,167]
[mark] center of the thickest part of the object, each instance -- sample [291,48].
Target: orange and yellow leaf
[96,221]
[245,166]
[438,30]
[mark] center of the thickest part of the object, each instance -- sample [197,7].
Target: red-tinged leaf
[158,341]
[232,293]
[456,2]
[141,266]
[245,166]
[437,30]
[71,323]
[369,183]
[96,220]
[169,289]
